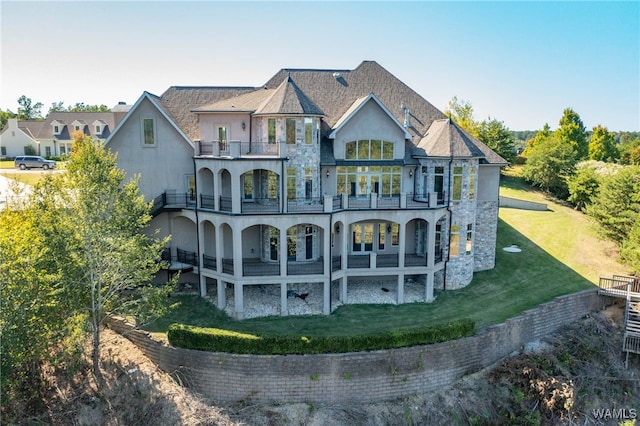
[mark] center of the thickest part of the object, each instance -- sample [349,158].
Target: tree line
[29,110]
[597,171]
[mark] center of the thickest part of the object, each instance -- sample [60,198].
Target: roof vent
[337,75]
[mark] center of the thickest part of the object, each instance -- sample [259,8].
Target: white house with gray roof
[320,178]
[52,136]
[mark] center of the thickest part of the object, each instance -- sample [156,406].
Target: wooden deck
[621,286]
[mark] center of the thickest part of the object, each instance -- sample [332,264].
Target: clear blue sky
[520,62]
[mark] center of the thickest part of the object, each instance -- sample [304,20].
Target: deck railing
[312,204]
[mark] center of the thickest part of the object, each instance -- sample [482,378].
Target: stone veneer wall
[486,234]
[359,377]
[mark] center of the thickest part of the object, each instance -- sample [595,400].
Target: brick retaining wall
[358,377]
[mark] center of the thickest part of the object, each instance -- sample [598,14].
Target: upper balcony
[239,149]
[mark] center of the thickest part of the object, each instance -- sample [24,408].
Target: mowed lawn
[561,254]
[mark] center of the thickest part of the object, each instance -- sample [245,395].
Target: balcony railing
[227,266]
[209,262]
[305,205]
[261,205]
[252,267]
[336,263]
[188,257]
[324,204]
[223,148]
[305,268]
[358,261]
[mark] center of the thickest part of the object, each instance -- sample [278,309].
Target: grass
[559,249]
[31,177]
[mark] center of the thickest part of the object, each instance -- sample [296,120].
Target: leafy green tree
[81,107]
[37,321]
[461,112]
[4,117]
[617,206]
[602,146]
[573,132]
[629,148]
[498,137]
[630,249]
[549,164]
[56,107]
[98,222]
[28,110]
[583,187]
[542,134]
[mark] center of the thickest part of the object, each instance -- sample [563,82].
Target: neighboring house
[53,135]
[319,176]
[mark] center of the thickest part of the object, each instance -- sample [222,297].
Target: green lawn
[559,249]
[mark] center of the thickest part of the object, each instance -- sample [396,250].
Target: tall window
[362,180]
[291,130]
[272,130]
[222,138]
[469,245]
[149,131]
[308,182]
[97,130]
[308,131]
[47,151]
[395,234]
[272,185]
[457,183]
[472,183]
[292,243]
[454,248]
[56,129]
[291,183]
[438,243]
[248,185]
[382,236]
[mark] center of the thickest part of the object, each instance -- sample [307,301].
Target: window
[291,130]
[148,127]
[191,185]
[248,185]
[472,183]
[469,245]
[272,186]
[382,228]
[438,183]
[368,149]
[308,131]
[457,183]
[292,243]
[438,244]
[454,248]
[47,151]
[272,130]
[98,130]
[362,180]
[395,234]
[56,129]
[308,182]
[291,183]
[76,128]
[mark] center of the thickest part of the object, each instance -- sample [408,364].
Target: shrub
[218,340]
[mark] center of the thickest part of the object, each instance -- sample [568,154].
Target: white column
[400,289]
[326,306]
[238,299]
[284,309]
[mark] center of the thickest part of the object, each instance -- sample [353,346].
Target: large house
[321,177]
[53,135]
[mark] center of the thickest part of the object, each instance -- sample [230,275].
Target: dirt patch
[564,379]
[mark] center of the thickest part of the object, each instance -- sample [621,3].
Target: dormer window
[99,126]
[79,125]
[58,126]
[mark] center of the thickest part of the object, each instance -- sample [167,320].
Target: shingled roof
[179,102]
[289,99]
[445,138]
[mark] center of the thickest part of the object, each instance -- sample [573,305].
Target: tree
[602,146]
[549,164]
[461,112]
[573,132]
[542,134]
[56,107]
[37,321]
[81,107]
[617,206]
[583,187]
[97,223]
[630,249]
[498,137]
[4,117]
[27,110]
